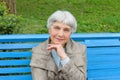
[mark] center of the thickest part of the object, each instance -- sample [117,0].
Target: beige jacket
[44,68]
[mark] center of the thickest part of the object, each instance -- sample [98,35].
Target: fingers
[51,46]
[59,49]
[54,46]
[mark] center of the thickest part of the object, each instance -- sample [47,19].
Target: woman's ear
[49,30]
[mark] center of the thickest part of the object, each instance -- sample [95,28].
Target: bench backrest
[103,54]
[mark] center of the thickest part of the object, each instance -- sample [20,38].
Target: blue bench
[103,54]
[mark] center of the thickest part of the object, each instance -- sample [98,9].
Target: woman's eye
[66,30]
[57,28]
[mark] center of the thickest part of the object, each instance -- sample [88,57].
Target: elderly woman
[59,57]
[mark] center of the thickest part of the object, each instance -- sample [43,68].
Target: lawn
[91,15]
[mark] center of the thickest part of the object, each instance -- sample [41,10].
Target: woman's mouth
[59,39]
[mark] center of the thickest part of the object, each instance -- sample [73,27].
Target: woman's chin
[58,43]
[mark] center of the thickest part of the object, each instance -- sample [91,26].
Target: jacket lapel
[50,65]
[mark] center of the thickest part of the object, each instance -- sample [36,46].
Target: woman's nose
[61,33]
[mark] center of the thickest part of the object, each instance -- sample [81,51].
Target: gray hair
[64,17]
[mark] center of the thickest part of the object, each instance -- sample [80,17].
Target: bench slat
[103,50]
[15,70]
[103,58]
[43,37]
[106,78]
[14,62]
[91,65]
[102,42]
[24,38]
[16,77]
[15,54]
[103,73]
[16,46]
[103,65]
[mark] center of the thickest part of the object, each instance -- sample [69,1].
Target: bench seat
[103,55]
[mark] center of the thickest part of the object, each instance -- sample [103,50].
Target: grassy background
[92,15]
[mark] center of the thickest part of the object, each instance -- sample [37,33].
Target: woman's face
[60,33]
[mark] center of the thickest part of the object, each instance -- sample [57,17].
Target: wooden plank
[103,73]
[104,58]
[16,46]
[103,51]
[103,65]
[16,77]
[24,38]
[105,78]
[102,43]
[14,62]
[42,37]
[15,54]
[15,70]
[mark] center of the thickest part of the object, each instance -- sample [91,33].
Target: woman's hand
[59,50]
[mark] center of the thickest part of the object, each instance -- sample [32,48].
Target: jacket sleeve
[37,66]
[75,69]
[39,74]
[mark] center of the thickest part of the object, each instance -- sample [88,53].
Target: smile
[59,39]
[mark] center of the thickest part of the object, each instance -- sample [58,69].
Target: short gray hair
[64,17]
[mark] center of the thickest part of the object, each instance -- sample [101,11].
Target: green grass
[92,15]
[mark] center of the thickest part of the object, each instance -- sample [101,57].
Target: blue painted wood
[42,37]
[103,51]
[14,62]
[16,46]
[24,38]
[104,73]
[15,54]
[90,43]
[103,43]
[103,65]
[106,78]
[104,58]
[15,70]
[103,55]
[16,77]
